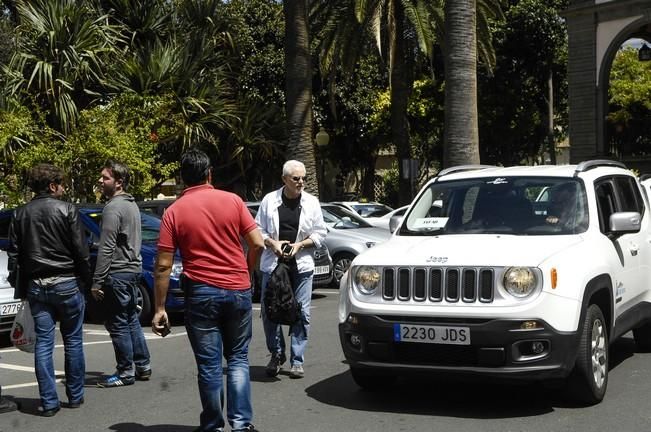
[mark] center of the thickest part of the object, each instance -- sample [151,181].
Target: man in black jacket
[48,266]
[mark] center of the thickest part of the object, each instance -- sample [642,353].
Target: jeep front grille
[439,284]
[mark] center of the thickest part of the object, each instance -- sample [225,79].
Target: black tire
[340,264]
[144,301]
[642,337]
[589,379]
[371,380]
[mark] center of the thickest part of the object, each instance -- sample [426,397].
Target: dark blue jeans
[121,295]
[50,303]
[218,322]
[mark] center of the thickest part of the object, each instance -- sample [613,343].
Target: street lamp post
[322,139]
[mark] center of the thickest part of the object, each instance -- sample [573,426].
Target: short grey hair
[291,165]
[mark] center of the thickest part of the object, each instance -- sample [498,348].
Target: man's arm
[162,270]
[255,245]
[80,249]
[106,248]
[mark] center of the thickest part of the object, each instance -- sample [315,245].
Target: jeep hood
[366,234]
[467,250]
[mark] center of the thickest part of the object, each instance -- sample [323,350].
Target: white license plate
[9,308]
[319,270]
[431,334]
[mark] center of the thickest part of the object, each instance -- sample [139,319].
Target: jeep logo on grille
[435,259]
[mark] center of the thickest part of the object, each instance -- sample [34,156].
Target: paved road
[326,399]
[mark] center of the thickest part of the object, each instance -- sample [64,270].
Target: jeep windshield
[500,205]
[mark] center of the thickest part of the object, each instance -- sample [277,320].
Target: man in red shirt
[206,225]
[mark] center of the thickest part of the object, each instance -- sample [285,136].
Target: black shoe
[143,375]
[77,404]
[50,412]
[273,367]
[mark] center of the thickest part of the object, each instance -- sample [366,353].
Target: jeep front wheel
[589,378]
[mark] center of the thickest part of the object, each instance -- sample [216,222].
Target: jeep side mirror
[625,222]
[394,223]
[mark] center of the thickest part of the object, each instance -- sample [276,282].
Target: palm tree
[62,51]
[298,88]
[461,142]
[404,26]
[461,135]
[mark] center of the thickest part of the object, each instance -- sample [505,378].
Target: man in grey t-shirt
[117,275]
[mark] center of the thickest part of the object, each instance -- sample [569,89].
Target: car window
[339,218]
[631,199]
[606,204]
[374,210]
[503,205]
[150,225]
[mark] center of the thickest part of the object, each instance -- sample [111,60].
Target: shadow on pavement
[428,396]
[137,427]
[27,405]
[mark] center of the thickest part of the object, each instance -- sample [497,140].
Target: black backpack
[280,305]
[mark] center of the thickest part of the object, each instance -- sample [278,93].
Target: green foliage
[122,130]
[258,28]
[531,44]
[629,94]
[390,182]
[425,117]
[61,54]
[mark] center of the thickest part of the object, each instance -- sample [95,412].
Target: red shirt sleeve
[247,223]
[166,238]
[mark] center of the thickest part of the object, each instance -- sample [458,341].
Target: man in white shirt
[290,216]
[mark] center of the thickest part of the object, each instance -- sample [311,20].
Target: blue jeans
[121,295]
[218,322]
[49,303]
[299,331]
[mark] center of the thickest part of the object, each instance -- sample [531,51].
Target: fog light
[530,325]
[352,319]
[355,340]
[537,347]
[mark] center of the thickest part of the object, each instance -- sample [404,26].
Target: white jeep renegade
[520,272]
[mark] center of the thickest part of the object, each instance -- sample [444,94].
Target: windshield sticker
[499,180]
[431,223]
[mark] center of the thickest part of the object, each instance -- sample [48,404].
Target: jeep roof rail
[461,168]
[590,164]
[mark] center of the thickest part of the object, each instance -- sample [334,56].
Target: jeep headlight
[367,279]
[520,282]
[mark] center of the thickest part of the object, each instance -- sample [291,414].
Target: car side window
[606,204]
[629,193]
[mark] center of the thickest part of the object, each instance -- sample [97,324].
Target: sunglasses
[296,179]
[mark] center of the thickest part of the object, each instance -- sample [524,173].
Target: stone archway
[596,30]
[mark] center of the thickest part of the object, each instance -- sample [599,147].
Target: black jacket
[46,238]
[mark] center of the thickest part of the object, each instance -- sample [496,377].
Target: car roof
[538,170]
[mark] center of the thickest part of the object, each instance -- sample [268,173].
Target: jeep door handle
[633,248]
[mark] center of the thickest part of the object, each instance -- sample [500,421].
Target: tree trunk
[461,137]
[551,147]
[401,86]
[298,90]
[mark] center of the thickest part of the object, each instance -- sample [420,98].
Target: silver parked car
[348,236]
